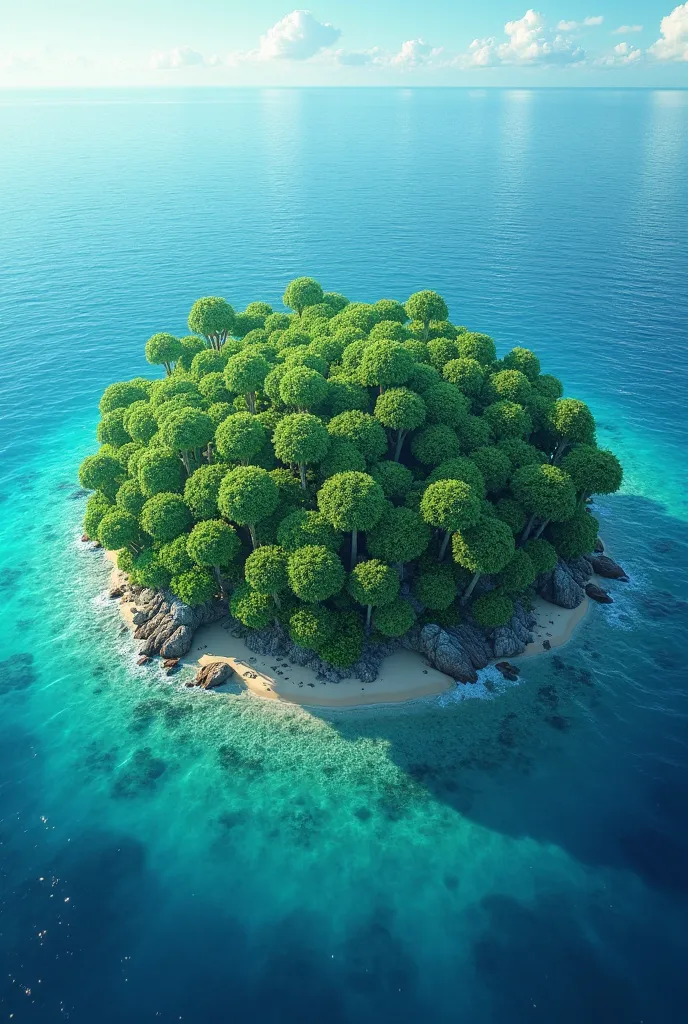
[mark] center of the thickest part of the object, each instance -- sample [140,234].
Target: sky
[172,43]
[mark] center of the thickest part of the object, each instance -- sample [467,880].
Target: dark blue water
[170,856]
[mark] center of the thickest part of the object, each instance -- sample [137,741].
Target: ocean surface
[175,856]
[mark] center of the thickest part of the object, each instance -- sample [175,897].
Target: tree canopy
[275,446]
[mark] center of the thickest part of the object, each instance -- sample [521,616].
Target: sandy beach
[404,676]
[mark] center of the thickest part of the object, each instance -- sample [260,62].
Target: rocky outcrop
[559,587]
[596,593]
[580,569]
[166,625]
[447,655]
[474,642]
[607,568]
[210,676]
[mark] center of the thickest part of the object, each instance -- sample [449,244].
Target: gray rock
[474,643]
[608,568]
[413,641]
[210,676]
[580,569]
[447,655]
[561,589]
[506,643]
[299,655]
[178,643]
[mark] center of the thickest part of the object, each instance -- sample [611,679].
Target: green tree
[593,471]
[549,386]
[188,432]
[492,610]
[130,497]
[345,646]
[202,488]
[400,410]
[302,388]
[423,378]
[195,586]
[118,529]
[159,470]
[468,375]
[301,439]
[390,311]
[518,573]
[148,571]
[520,453]
[571,422]
[442,351]
[512,513]
[575,536]
[450,505]
[385,364]
[97,506]
[395,479]
[240,437]
[542,554]
[373,584]
[510,386]
[245,374]
[122,395]
[494,466]
[351,502]
[435,444]
[111,429]
[101,472]
[213,388]
[247,495]
[401,535]
[191,345]
[266,571]
[165,516]
[335,301]
[426,306]
[477,346]
[174,556]
[345,396]
[302,292]
[213,544]
[213,318]
[474,432]
[140,422]
[361,429]
[163,349]
[394,619]
[446,404]
[207,361]
[483,548]
[342,457]
[524,360]
[508,419]
[546,493]
[313,626]
[388,330]
[251,608]
[303,528]
[315,573]
[459,469]
[435,587]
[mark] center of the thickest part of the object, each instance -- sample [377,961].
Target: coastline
[403,677]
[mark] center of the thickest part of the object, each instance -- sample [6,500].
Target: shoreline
[404,676]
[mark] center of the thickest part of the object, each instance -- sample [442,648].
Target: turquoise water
[177,856]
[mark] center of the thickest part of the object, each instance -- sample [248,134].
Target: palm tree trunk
[401,437]
[443,548]
[354,548]
[302,474]
[469,589]
[252,531]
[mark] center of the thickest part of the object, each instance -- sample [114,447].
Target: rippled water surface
[177,856]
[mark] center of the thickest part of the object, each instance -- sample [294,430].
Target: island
[345,487]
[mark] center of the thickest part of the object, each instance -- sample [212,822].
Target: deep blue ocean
[175,856]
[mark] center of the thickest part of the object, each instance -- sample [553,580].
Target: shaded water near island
[172,855]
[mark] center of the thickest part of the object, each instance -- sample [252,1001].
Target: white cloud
[572,26]
[179,57]
[359,58]
[624,30]
[621,56]
[415,52]
[674,42]
[297,36]
[530,42]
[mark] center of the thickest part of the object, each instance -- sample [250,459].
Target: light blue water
[177,856]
